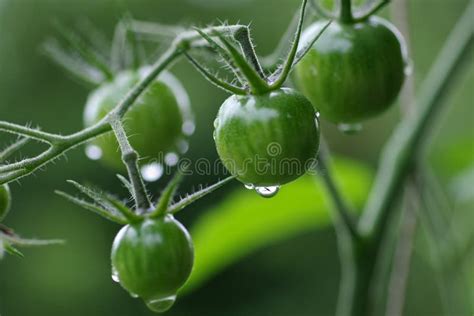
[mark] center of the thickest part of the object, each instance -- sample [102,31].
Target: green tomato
[152,260]
[267,140]
[5,201]
[157,123]
[354,71]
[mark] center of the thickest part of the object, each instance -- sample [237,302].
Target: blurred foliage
[296,276]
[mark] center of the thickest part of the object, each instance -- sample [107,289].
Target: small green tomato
[158,122]
[354,71]
[152,260]
[5,201]
[267,140]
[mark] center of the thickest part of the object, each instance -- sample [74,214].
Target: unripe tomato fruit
[354,71]
[154,122]
[5,200]
[153,259]
[267,140]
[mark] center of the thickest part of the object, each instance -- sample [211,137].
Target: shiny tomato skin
[354,71]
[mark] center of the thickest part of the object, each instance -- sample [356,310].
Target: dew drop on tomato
[249,186]
[408,68]
[161,305]
[267,192]
[115,276]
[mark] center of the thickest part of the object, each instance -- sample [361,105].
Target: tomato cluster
[157,122]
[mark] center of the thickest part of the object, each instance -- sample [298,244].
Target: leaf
[244,222]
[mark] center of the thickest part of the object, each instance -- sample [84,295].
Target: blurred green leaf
[246,222]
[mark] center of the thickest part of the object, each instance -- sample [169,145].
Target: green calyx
[238,53]
[117,211]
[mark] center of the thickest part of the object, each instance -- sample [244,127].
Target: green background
[295,277]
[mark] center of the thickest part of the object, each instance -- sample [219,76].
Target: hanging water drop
[267,192]
[318,114]
[408,68]
[350,129]
[93,152]
[152,172]
[249,186]
[171,159]
[115,276]
[161,305]
[216,123]
[188,127]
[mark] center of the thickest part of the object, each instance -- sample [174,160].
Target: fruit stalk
[345,7]
[130,159]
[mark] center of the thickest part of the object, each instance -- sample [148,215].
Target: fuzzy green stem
[345,7]
[130,159]
[248,48]
[12,149]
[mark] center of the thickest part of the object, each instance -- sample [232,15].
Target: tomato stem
[288,65]
[243,38]
[345,14]
[130,159]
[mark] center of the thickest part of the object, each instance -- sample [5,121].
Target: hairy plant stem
[245,42]
[130,159]
[61,144]
[345,7]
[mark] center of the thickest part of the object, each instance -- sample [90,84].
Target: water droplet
[183,146]
[216,123]
[133,295]
[350,128]
[267,192]
[93,152]
[115,276]
[152,172]
[188,127]
[161,305]
[249,186]
[318,114]
[171,159]
[409,68]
